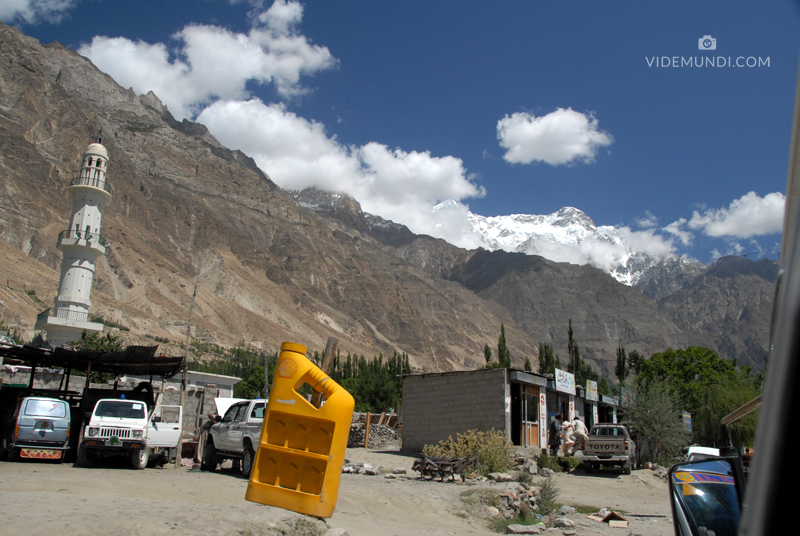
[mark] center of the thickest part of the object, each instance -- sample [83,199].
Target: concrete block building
[521,404]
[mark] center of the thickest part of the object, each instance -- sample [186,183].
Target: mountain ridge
[273,265]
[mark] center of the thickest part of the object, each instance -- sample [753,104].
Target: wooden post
[366,431]
[185,374]
[326,366]
[33,373]
[380,420]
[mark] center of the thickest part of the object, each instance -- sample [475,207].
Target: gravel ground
[44,499]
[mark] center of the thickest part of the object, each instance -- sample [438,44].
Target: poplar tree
[621,369]
[503,354]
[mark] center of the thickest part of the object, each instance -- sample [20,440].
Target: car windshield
[46,408]
[120,408]
[708,492]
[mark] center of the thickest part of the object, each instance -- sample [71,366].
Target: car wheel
[209,462]
[626,469]
[588,467]
[247,460]
[13,454]
[85,458]
[139,458]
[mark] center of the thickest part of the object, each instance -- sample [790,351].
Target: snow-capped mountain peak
[569,235]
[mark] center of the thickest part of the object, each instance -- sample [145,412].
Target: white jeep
[124,427]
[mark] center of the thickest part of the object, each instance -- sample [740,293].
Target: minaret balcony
[89,182]
[81,238]
[57,316]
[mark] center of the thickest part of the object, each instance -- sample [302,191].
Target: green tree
[573,351]
[503,353]
[96,341]
[603,387]
[487,354]
[548,362]
[656,419]
[527,366]
[689,373]
[376,385]
[621,369]
[576,364]
[251,386]
[635,362]
[719,400]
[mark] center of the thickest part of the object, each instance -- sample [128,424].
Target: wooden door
[530,417]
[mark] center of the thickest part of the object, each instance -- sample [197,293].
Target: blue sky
[514,107]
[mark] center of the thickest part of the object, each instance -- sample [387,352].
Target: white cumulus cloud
[748,216]
[210,63]
[560,137]
[402,186]
[34,11]
[676,228]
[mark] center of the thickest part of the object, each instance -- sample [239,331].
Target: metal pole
[185,379]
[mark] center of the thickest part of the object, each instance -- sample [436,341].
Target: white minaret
[80,245]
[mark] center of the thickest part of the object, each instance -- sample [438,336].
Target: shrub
[494,451]
[548,493]
[524,477]
[549,462]
[568,463]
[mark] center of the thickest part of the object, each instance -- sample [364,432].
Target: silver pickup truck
[609,445]
[235,436]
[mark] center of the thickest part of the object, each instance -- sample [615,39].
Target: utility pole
[185,379]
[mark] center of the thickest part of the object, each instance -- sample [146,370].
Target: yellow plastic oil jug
[299,460]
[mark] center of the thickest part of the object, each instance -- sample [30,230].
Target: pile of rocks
[379,436]
[526,464]
[517,499]
[371,470]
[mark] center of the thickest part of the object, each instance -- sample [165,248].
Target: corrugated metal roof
[141,360]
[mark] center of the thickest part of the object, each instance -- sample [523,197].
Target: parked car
[609,445]
[235,436]
[119,427]
[38,429]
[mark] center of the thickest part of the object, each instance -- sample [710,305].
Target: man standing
[554,434]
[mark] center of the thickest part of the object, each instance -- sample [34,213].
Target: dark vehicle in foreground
[38,429]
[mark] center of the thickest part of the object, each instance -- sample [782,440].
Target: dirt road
[44,499]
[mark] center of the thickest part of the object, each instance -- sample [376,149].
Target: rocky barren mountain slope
[185,207]
[272,265]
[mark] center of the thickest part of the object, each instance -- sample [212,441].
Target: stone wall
[436,406]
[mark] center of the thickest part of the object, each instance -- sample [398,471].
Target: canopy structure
[134,360]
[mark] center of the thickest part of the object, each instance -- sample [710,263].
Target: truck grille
[121,433]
